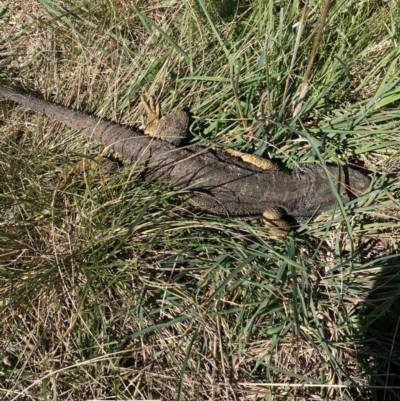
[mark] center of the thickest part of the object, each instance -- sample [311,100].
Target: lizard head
[349,183]
[318,194]
[352,182]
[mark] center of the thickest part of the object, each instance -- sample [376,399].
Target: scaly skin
[218,182]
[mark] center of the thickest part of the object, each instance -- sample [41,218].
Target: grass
[111,288]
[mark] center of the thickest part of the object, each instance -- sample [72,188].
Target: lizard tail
[103,131]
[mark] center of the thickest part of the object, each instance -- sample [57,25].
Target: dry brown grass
[111,289]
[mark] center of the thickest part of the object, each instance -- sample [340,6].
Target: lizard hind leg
[172,128]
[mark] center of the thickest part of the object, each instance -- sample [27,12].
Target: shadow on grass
[379,334]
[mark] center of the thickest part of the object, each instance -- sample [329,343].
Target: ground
[114,288]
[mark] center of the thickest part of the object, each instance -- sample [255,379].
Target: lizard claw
[153,115]
[172,128]
[275,223]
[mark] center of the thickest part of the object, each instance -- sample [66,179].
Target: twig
[235,94]
[304,86]
[296,48]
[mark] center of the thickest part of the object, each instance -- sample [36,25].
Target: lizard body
[215,181]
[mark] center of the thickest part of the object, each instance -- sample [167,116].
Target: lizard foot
[275,223]
[172,128]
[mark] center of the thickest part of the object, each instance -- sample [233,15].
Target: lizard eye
[344,194]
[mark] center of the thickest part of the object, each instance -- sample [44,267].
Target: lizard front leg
[255,160]
[274,217]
